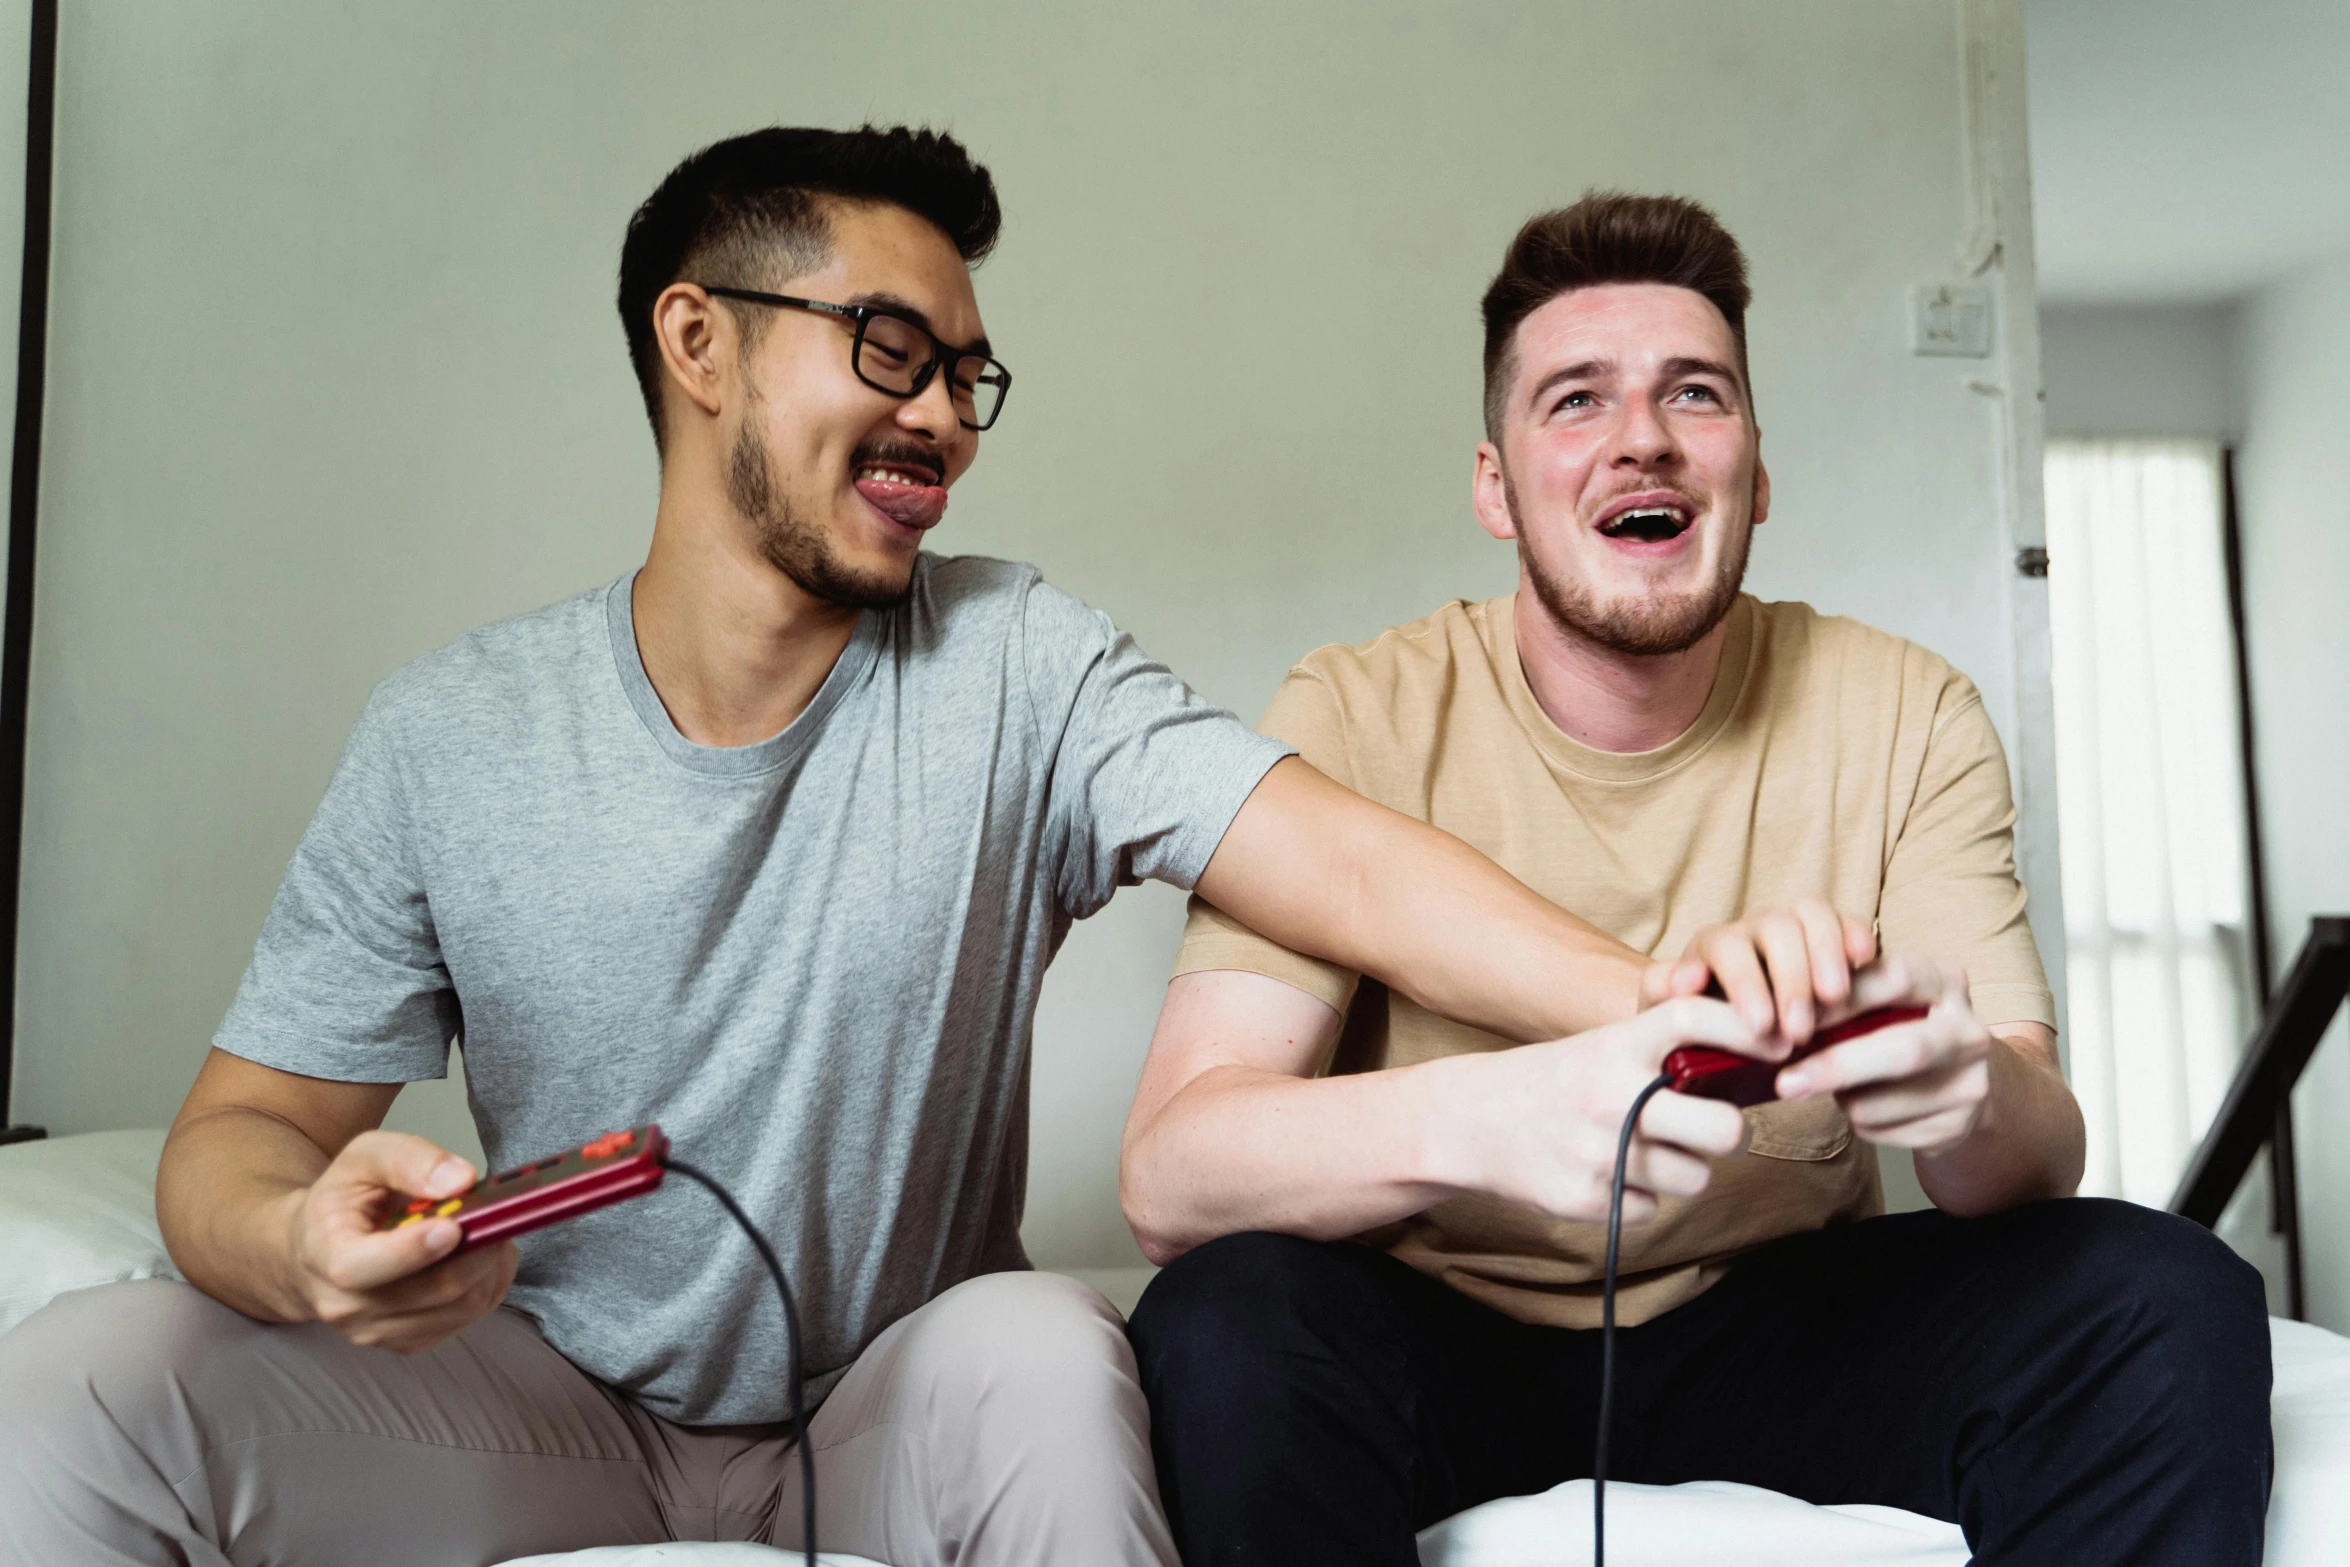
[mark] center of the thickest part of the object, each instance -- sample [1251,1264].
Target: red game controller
[1704,1072]
[614,1166]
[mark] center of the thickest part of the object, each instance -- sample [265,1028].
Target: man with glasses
[771,841]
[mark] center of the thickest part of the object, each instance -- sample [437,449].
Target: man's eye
[1576,400]
[1705,392]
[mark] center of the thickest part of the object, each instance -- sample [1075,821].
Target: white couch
[79,1211]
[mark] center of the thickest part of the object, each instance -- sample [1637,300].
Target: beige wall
[336,377]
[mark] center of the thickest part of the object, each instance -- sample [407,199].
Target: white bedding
[79,1211]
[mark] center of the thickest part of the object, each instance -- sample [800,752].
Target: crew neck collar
[1585,761]
[730,761]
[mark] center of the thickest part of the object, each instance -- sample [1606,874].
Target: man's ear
[1762,491]
[698,344]
[1489,494]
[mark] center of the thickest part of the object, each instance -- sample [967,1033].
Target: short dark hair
[1609,237]
[749,211]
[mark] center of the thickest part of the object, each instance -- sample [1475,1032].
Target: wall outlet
[1952,320]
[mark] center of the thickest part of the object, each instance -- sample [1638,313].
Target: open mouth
[1647,524]
[907,492]
[898,473]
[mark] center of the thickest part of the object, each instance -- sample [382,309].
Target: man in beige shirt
[1382,1272]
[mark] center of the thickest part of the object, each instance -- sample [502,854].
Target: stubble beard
[1645,627]
[792,544]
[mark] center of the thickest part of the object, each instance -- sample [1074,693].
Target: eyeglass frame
[942,352]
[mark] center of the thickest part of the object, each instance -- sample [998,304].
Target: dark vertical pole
[2284,1185]
[24,505]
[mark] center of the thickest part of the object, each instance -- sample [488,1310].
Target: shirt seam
[787,756]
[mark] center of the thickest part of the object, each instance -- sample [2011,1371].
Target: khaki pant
[148,1423]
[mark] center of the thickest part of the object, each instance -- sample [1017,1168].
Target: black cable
[1607,1323]
[791,1339]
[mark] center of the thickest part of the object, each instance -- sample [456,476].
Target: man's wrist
[1447,1096]
[2007,1156]
[281,1221]
[1605,982]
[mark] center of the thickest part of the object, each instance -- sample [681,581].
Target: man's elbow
[1157,1251]
[1159,1240]
[1159,1245]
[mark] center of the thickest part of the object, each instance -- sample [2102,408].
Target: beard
[1648,626]
[792,544]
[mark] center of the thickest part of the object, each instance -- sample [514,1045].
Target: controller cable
[1607,1322]
[1607,1332]
[791,1339]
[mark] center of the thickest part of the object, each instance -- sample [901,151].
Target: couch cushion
[75,1212]
[80,1211]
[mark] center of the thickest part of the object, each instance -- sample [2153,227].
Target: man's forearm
[1325,872]
[1240,1148]
[2029,1145]
[226,1193]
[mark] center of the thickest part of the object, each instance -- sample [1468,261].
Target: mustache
[898,454]
[1684,497]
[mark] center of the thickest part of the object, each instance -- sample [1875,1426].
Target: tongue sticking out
[909,505]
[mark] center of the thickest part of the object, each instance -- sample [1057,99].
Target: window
[2150,801]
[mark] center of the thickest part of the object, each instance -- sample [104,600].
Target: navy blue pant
[2071,1382]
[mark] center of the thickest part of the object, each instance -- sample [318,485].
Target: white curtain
[2150,801]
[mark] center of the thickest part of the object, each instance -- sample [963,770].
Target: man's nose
[931,412]
[1643,438]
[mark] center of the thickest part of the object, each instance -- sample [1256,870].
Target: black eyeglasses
[898,355]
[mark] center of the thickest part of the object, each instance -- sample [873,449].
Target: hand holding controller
[1707,1073]
[600,1172]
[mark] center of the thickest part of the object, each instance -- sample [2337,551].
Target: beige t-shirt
[1831,760]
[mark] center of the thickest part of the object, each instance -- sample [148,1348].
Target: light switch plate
[1950,320]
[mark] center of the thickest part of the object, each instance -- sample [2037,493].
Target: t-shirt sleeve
[347,980]
[1145,776]
[1305,714]
[1950,888]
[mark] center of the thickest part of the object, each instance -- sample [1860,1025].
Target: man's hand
[1780,970]
[1922,1085]
[1539,1124]
[392,1289]
[268,1194]
[1986,1111]
[1233,1130]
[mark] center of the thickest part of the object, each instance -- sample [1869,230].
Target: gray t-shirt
[813,960]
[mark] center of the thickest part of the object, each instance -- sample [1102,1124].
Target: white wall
[2141,370]
[336,377]
[2293,474]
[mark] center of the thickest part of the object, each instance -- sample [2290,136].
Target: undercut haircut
[1609,237]
[749,212]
